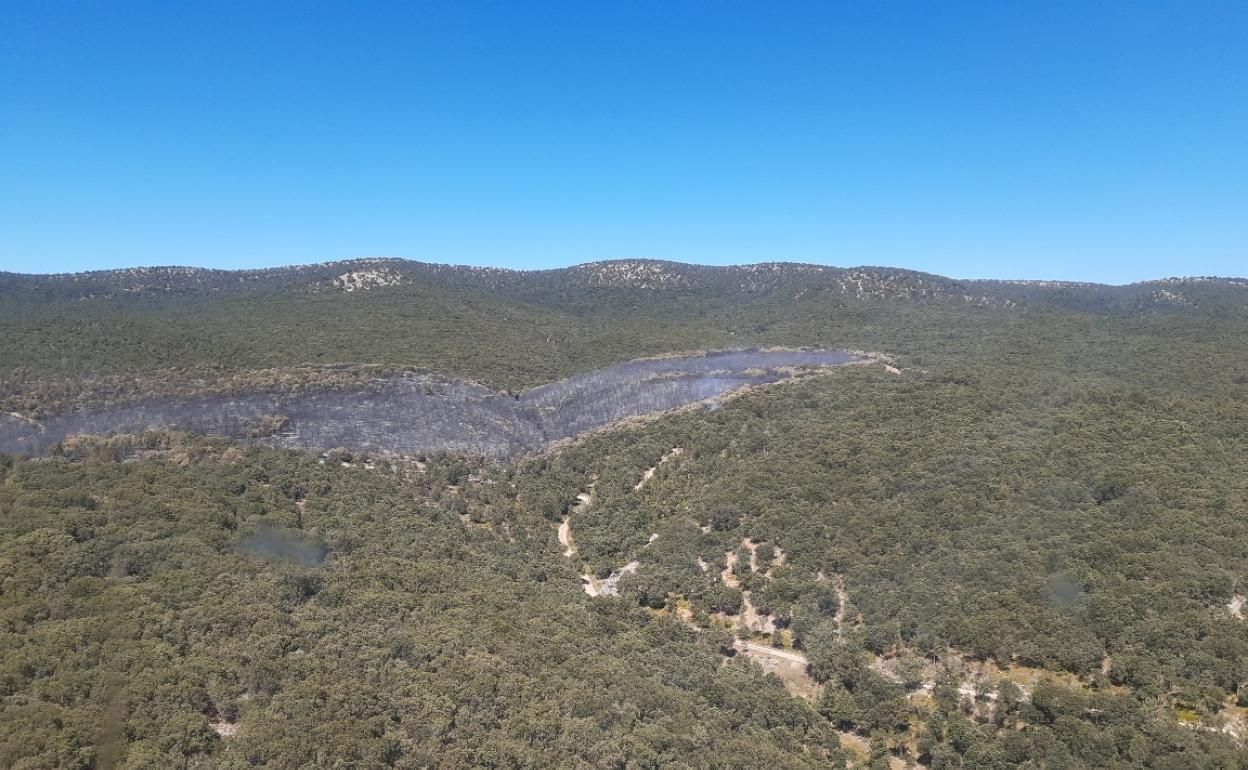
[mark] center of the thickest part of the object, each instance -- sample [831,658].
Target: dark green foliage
[173,331]
[1039,503]
[144,601]
[1055,481]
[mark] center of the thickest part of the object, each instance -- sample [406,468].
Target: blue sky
[1099,141]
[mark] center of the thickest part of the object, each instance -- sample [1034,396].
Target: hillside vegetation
[1028,548]
[178,330]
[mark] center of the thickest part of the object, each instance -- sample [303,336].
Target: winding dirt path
[842,606]
[790,666]
[675,451]
[565,538]
[772,652]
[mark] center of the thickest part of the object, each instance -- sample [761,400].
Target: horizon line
[406,260]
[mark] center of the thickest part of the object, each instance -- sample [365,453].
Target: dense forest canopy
[181,329]
[1024,545]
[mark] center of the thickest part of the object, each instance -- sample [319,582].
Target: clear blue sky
[1091,140]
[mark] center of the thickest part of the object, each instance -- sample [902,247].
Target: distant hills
[636,275]
[84,338]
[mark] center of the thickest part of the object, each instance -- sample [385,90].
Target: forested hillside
[1024,543]
[178,330]
[207,607]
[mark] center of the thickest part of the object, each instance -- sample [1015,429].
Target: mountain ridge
[585,286]
[777,265]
